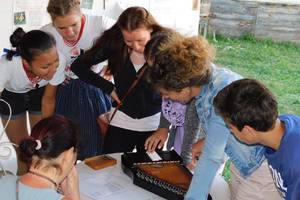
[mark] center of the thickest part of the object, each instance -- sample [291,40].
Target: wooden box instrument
[168,177]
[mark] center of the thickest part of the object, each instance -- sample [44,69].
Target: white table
[110,183]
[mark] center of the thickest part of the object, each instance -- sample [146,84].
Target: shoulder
[49,28]
[222,77]
[7,186]
[10,65]
[292,129]
[29,192]
[62,57]
[290,120]
[59,75]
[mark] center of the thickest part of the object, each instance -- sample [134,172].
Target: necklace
[57,186]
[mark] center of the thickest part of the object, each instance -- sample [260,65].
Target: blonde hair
[58,8]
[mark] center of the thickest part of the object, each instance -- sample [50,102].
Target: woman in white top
[24,74]
[75,32]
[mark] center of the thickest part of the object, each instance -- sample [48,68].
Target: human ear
[249,129]
[232,127]
[67,155]
[251,135]
[70,152]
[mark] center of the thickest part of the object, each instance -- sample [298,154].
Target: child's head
[66,17]
[49,139]
[137,25]
[38,51]
[132,31]
[247,102]
[178,65]
[59,8]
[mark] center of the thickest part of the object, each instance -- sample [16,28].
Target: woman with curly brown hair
[181,69]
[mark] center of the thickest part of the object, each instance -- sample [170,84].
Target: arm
[48,101]
[70,186]
[82,68]
[196,152]
[210,159]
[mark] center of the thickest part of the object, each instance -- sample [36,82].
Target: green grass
[277,65]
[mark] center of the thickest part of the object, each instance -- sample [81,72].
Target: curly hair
[179,62]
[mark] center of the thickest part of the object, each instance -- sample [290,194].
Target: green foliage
[226,171]
[275,64]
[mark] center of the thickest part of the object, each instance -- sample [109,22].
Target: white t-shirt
[14,78]
[94,26]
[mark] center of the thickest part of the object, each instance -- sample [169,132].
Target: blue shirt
[218,139]
[285,162]
[8,186]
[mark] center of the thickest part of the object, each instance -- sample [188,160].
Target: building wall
[6,20]
[181,15]
[265,20]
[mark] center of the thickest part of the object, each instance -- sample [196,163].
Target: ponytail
[15,40]
[28,148]
[31,44]
[49,138]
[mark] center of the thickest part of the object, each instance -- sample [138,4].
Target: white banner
[30,14]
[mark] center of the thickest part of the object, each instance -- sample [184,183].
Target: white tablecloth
[110,183]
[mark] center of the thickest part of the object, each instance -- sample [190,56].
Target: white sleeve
[5,74]
[59,75]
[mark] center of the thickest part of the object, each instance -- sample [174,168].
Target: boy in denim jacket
[250,111]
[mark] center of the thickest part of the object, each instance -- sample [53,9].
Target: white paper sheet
[110,183]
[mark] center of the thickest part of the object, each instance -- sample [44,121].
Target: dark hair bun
[27,147]
[16,37]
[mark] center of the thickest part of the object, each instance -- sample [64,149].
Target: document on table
[111,184]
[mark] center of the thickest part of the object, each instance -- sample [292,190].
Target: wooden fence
[265,20]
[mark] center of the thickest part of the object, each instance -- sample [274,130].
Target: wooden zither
[168,177]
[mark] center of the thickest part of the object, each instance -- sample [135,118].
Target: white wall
[6,21]
[179,15]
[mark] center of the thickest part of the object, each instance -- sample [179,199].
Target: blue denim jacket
[219,140]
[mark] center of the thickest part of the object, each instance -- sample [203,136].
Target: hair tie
[39,145]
